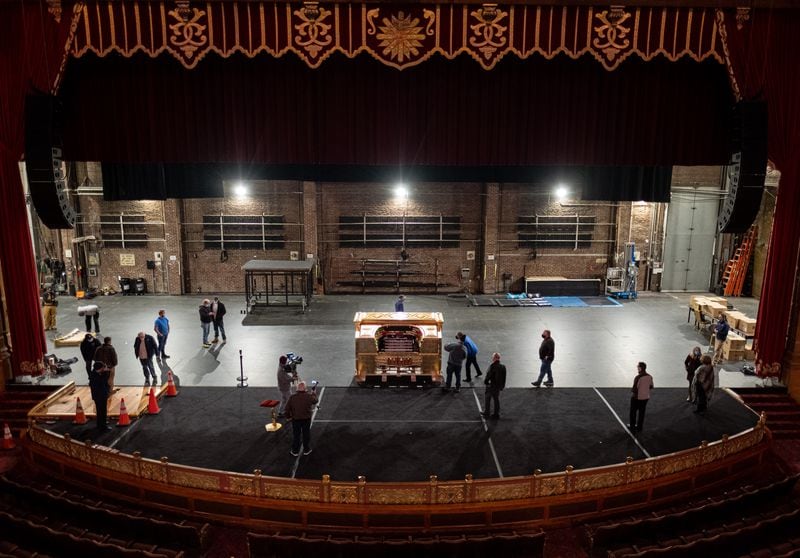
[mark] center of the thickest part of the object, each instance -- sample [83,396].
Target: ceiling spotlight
[561,192]
[400,191]
[240,190]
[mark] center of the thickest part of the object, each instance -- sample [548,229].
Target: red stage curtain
[766,65]
[362,112]
[32,46]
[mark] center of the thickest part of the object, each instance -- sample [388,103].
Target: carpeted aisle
[410,434]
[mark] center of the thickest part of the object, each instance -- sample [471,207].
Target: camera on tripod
[292,362]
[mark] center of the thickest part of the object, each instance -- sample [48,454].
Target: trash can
[140,286]
[124,285]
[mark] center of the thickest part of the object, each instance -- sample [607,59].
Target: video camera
[292,362]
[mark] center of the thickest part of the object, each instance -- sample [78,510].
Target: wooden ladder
[736,268]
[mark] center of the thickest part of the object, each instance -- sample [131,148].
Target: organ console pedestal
[398,348]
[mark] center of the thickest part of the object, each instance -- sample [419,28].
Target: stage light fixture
[240,189]
[401,191]
[561,192]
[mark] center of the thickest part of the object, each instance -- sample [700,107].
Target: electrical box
[158,256]
[465,273]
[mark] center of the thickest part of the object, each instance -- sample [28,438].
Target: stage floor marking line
[486,428]
[625,428]
[397,421]
[313,416]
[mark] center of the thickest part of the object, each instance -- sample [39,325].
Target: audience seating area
[758,522]
[17,400]
[519,545]
[50,522]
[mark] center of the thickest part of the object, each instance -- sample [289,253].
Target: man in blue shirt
[162,332]
[399,304]
[472,356]
[720,335]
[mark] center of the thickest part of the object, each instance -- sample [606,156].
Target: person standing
[399,304]
[285,379]
[495,382]
[144,347]
[720,335]
[88,312]
[300,409]
[106,354]
[472,354]
[457,355]
[206,318]
[704,384]
[547,353]
[692,363]
[640,395]
[98,384]
[218,311]
[162,332]
[88,347]
[50,308]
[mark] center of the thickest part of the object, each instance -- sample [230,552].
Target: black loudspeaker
[747,168]
[43,161]
[151,264]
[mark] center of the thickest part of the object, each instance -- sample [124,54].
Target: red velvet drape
[765,58]
[32,47]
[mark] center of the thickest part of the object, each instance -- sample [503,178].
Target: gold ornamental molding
[398,35]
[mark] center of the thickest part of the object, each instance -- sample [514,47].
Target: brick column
[173,248]
[310,244]
[491,233]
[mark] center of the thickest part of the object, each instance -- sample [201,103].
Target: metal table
[278,283]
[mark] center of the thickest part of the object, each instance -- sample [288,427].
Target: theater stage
[409,434]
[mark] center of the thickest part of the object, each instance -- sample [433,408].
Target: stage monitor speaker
[44,166]
[747,168]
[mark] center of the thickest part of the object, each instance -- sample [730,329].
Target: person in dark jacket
[218,311]
[145,348]
[106,354]
[495,382]
[547,353]
[457,355]
[300,409]
[206,319]
[88,347]
[720,335]
[704,384]
[400,304]
[691,364]
[640,395]
[472,357]
[98,384]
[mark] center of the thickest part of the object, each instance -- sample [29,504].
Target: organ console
[398,348]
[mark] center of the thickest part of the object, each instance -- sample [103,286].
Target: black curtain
[360,113]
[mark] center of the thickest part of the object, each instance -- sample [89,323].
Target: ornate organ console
[398,348]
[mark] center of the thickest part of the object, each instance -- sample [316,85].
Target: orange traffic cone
[152,405]
[124,419]
[80,416]
[8,440]
[171,390]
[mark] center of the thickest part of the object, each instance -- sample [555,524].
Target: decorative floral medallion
[188,34]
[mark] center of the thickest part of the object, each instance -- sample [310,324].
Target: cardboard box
[749,354]
[696,302]
[747,325]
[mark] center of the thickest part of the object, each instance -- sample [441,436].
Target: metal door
[689,239]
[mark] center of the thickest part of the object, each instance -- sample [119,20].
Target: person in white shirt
[640,395]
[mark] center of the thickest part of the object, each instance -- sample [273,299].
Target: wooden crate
[697,302]
[733,355]
[747,325]
[735,342]
[749,354]
[719,300]
[733,318]
[715,309]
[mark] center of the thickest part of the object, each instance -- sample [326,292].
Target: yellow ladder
[736,268]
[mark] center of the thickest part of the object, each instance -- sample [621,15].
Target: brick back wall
[516,261]
[342,264]
[204,272]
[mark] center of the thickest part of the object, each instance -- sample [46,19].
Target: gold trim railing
[431,492]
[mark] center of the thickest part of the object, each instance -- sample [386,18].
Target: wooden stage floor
[136,399]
